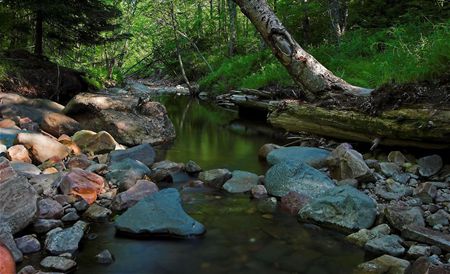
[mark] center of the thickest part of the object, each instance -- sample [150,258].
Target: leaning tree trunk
[313,77]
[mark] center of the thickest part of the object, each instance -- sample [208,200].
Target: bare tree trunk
[338,10]
[233,34]
[313,77]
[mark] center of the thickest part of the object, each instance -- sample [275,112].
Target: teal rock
[386,244]
[160,213]
[8,136]
[342,208]
[241,181]
[312,156]
[125,173]
[299,177]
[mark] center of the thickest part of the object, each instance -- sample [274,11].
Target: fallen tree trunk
[423,128]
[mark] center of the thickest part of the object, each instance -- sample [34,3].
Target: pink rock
[293,202]
[134,194]
[82,183]
[42,147]
[6,171]
[19,153]
[58,124]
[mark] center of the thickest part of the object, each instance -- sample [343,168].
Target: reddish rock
[42,147]
[85,184]
[7,123]
[7,264]
[293,202]
[134,194]
[19,153]
[6,171]
[70,144]
[58,124]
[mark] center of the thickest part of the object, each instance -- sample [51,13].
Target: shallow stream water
[239,239]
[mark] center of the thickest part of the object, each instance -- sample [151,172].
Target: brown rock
[85,184]
[71,145]
[266,149]
[95,143]
[42,147]
[8,123]
[80,161]
[19,153]
[58,124]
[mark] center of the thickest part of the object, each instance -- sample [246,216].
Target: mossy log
[424,128]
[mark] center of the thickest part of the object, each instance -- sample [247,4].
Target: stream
[239,239]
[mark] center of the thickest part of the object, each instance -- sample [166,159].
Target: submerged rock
[159,213]
[344,208]
[241,181]
[215,177]
[299,177]
[6,170]
[315,157]
[105,257]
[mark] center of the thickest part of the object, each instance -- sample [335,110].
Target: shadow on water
[239,239]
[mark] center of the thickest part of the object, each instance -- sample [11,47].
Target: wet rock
[80,161]
[267,205]
[97,213]
[95,143]
[42,147]
[344,208]
[429,165]
[81,183]
[45,225]
[390,169]
[425,265]
[427,236]
[293,202]
[143,153]
[259,192]
[25,169]
[399,216]
[61,241]
[241,181]
[58,263]
[7,264]
[28,270]
[125,173]
[159,213]
[28,244]
[165,171]
[416,251]
[361,237]
[19,153]
[266,149]
[129,198]
[285,177]
[128,119]
[439,218]
[58,124]
[105,257]
[50,209]
[387,244]
[397,157]
[192,167]
[215,177]
[18,206]
[382,265]
[347,163]
[312,156]
[6,170]
[81,205]
[426,192]
[70,217]
[8,136]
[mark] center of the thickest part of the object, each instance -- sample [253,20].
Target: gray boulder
[7,239]
[125,173]
[299,177]
[97,213]
[129,198]
[399,216]
[430,165]
[159,213]
[143,153]
[315,157]
[58,263]
[61,241]
[241,181]
[343,208]
[387,244]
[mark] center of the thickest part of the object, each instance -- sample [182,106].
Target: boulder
[25,169]
[129,198]
[416,251]
[125,173]
[7,240]
[19,153]
[18,206]
[7,264]
[399,216]
[429,165]
[347,163]
[165,171]
[390,169]
[50,209]
[42,147]
[427,236]
[58,124]
[95,143]
[315,157]
[130,120]
[299,177]
[82,183]
[8,123]
[61,241]
[159,213]
[6,170]
[241,181]
[343,208]
[215,177]
[28,244]
[58,263]
[143,153]
[441,217]
[386,244]
[361,237]
[385,264]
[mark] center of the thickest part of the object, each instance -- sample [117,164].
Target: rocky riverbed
[93,161]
